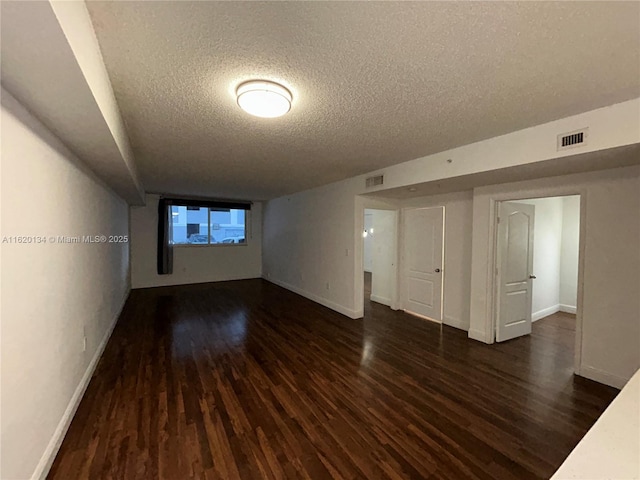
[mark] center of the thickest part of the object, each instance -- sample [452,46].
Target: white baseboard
[423,317]
[456,323]
[568,308]
[49,455]
[180,283]
[545,312]
[382,300]
[479,336]
[601,376]
[322,301]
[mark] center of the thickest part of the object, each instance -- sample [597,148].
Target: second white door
[422,262]
[514,273]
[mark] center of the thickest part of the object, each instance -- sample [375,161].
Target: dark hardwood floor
[247,380]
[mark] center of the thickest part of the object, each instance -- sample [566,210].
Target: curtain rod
[169,196]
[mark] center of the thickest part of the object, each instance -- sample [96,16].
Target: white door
[514,273]
[422,262]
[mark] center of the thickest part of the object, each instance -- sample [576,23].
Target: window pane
[190,225]
[227,226]
[220,216]
[201,225]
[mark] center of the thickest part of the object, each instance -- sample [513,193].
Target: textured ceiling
[374,84]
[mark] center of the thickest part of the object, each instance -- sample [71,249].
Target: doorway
[379,238]
[537,258]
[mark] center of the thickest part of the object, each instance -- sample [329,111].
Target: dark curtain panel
[165,244]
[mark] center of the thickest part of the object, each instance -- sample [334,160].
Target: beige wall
[53,295]
[191,264]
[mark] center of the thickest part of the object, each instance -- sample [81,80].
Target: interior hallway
[247,380]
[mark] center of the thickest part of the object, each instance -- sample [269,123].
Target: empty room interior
[320,240]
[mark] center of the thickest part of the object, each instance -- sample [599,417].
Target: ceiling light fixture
[264,99]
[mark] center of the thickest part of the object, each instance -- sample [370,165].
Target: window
[208,226]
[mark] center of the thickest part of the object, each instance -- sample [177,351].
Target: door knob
[437,270]
[532,277]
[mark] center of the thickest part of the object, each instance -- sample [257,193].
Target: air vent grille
[375,181]
[572,139]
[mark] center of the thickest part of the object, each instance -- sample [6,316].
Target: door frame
[362,204]
[395,254]
[401,259]
[494,206]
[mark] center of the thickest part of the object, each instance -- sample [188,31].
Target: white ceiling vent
[375,181]
[572,139]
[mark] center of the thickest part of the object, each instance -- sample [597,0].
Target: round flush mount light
[264,99]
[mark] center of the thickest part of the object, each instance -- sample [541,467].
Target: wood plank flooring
[245,380]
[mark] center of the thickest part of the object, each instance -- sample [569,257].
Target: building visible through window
[207,226]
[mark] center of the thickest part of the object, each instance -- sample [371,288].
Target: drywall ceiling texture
[374,84]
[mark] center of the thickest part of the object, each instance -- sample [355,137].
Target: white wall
[312,245]
[368,241]
[569,254]
[78,29]
[52,294]
[610,323]
[312,241]
[611,126]
[458,210]
[555,254]
[547,240]
[309,237]
[51,62]
[191,264]
[303,256]
[384,254]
